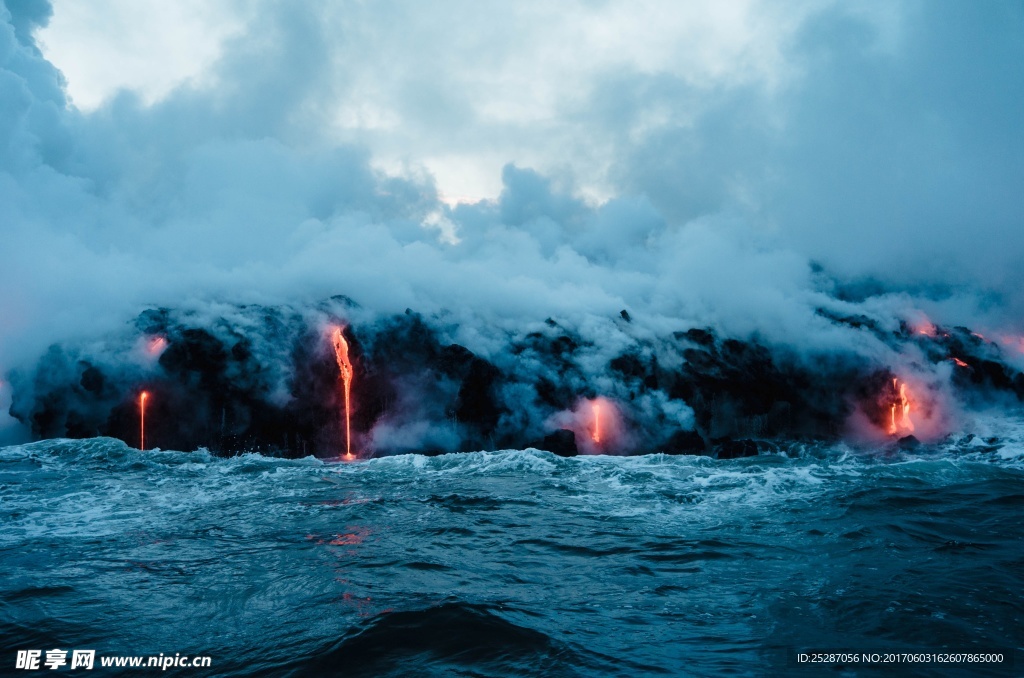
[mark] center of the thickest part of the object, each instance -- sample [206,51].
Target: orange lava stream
[142,419]
[345,366]
[901,408]
[596,435]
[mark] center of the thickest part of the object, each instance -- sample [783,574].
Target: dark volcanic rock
[628,366]
[856,321]
[266,379]
[684,442]
[735,449]
[455,359]
[697,336]
[908,443]
[478,403]
[642,373]
[740,389]
[562,442]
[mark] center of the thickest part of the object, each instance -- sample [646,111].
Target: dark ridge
[562,442]
[726,448]
[908,443]
[740,389]
[478,405]
[697,336]
[265,379]
[448,638]
[858,321]
[684,442]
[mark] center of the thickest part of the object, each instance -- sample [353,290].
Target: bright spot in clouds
[145,47]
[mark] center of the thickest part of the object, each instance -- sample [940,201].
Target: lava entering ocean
[345,367]
[899,413]
[595,426]
[909,408]
[142,419]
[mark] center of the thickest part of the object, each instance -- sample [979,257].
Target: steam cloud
[790,230]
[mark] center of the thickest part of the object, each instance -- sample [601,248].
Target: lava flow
[596,433]
[345,366]
[142,419]
[899,416]
[156,345]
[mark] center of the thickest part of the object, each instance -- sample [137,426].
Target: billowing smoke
[768,253]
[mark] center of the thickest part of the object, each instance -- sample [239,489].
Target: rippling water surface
[509,563]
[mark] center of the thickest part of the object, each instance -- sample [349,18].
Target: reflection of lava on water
[362,604]
[354,538]
[349,539]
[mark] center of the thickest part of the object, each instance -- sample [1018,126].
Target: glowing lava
[142,419]
[595,435]
[960,363]
[899,421]
[923,326]
[1012,341]
[156,345]
[345,366]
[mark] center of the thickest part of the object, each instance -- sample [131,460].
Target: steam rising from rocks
[743,280]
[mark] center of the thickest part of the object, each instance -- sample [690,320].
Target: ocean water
[513,562]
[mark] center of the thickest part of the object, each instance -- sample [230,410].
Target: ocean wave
[441,639]
[503,563]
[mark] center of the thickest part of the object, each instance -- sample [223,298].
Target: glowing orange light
[899,421]
[1012,341]
[345,366]
[961,363]
[925,327]
[142,419]
[156,345]
[596,434]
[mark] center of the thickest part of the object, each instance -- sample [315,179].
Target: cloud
[893,154]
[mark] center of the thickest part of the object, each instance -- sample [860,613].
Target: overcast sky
[459,87]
